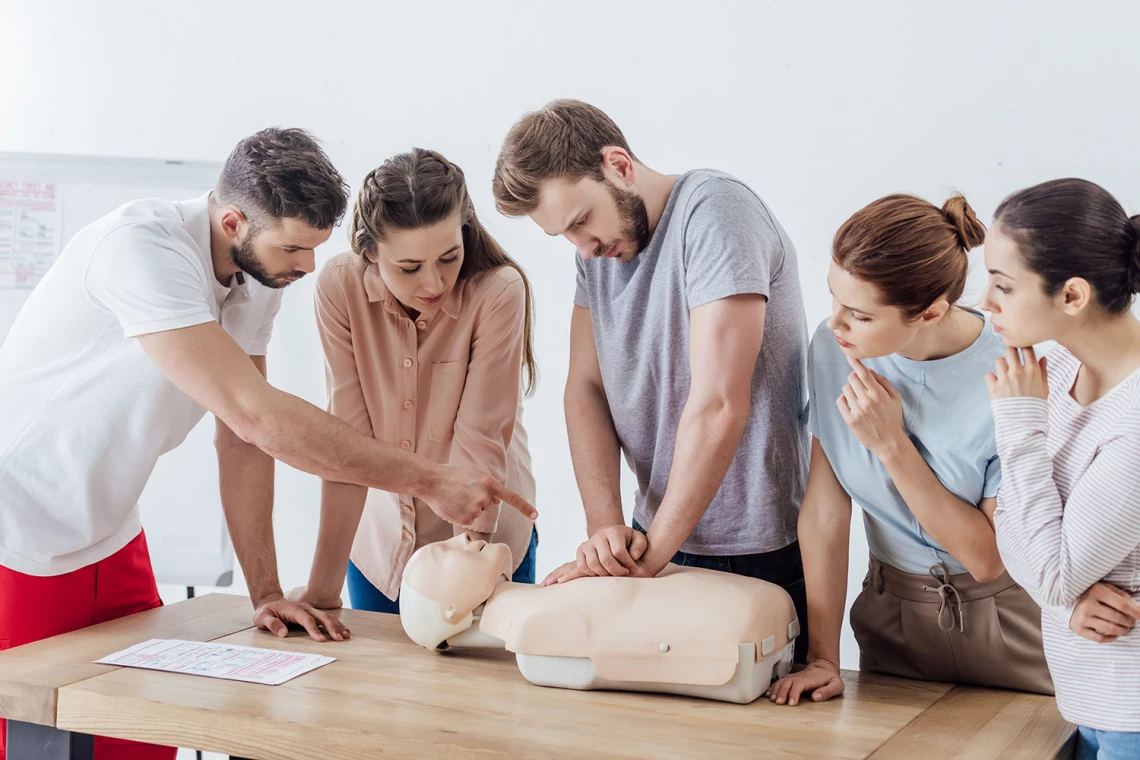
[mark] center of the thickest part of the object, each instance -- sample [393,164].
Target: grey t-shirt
[715,239]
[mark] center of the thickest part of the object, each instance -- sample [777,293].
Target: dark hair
[1069,228]
[283,174]
[563,140]
[418,189]
[912,251]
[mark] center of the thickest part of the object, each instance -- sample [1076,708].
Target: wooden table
[386,697]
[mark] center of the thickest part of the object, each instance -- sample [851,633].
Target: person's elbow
[249,418]
[1056,592]
[582,390]
[229,443]
[724,409]
[986,569]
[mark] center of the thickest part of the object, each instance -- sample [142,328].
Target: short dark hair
[1069,228]
[562,140]
[283,174]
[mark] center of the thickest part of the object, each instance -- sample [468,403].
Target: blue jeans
[784,567]
[365,596]
[1093,744]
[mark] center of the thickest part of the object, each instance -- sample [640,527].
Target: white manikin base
[751,679]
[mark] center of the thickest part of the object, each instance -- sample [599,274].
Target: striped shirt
[1068,516]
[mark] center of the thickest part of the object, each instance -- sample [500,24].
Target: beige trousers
[942,627]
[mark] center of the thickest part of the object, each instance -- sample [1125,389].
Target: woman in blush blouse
[426,326]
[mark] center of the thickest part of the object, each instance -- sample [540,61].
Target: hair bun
[1134,253]
[971,232]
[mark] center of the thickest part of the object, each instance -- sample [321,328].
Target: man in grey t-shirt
[688,353]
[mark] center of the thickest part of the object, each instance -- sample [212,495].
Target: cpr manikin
[688,631]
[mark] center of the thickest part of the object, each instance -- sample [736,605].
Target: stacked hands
[614,550]
[872,409]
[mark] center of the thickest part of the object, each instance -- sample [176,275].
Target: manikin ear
[1075,296]
[618,165]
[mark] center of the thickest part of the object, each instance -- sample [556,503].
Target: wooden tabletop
[384,696]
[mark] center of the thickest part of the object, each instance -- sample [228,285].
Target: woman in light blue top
[901,426]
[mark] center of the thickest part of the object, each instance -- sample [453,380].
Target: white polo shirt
[84,414]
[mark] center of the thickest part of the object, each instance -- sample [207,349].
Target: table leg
[35,742]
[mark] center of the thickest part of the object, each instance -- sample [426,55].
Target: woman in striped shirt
[1064,263]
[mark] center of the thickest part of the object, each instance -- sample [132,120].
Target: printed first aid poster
[30,229]
[234,663]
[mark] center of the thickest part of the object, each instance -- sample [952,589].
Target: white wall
[821,107]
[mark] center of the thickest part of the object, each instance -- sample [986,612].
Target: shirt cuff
[169,323]
[726,290]
[1023,413]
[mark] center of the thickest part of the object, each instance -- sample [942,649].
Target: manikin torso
[687,631]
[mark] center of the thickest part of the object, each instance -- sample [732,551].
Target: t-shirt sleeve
[580,297]
[260,343]
[992,482]
[732,244]
[811,412]
[149,279]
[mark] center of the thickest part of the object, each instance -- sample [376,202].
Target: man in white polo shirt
[153,315]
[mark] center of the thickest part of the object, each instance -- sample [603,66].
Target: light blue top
[946,413]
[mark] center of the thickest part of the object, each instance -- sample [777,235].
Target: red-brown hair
[911,250]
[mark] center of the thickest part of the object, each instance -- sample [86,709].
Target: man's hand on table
[321,602]
[274,613]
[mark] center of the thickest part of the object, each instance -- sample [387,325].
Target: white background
[820,107]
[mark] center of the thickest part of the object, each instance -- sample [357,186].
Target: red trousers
[36,607]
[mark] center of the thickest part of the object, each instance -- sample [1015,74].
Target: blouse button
[408,404]
[405,444]
[421,324]
[407,362]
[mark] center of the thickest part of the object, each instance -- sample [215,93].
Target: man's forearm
[596,456]
[305,437]
[245,475]
[708,436]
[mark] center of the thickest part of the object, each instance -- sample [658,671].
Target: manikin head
[443,584]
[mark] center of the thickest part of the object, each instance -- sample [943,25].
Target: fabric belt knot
[950,600]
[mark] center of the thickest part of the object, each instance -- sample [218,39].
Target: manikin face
[864,328]
[421,266]
[459,573]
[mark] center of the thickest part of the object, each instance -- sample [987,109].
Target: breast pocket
[447,379]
